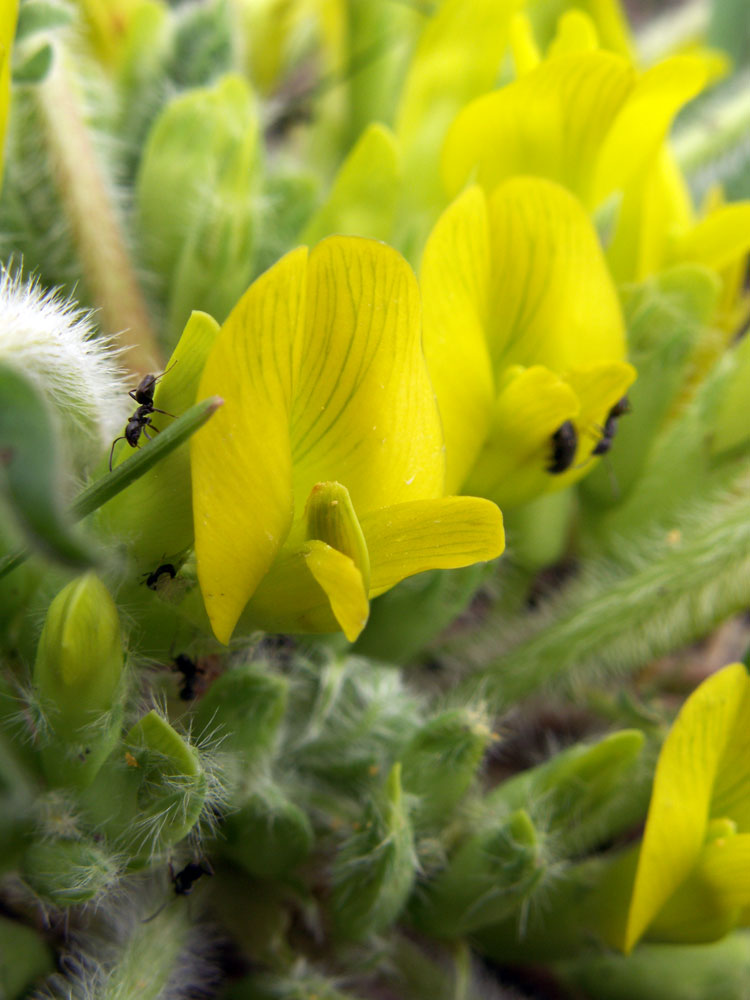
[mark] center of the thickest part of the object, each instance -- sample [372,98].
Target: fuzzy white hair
[54,342]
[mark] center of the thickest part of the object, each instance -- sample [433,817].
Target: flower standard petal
[552,300]
[642,124]
[364,412]
[242,475]
[550,123]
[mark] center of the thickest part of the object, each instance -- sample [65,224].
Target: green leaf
[29,471]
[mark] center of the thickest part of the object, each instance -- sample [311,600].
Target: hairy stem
[674,588]
[87,200]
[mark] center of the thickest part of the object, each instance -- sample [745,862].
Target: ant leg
[112,451]
[146,433]
[165,412]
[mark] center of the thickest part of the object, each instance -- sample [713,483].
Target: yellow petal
[552,300]
[8,17]
[644,120]
[717,241]
[551,123]
[526,54]
[454,279]
[343,585]
[241,466]
[686,780]
[446,533]
[364,412]
[363,198]
[576,32]
[513,465]
[598,387]
[331,518]
[656,203]
[461,42]
[313,588]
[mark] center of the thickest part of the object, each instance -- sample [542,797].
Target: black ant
[190,672]
[143,394]
[610,426]
[564,446]
[153,579]
[183,881]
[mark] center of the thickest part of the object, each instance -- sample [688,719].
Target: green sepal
[489,877]
[269,835]
[374,871]
[66,872]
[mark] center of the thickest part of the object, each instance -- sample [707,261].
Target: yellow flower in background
[581,116]
[8,18]
[524,339]
[110,24]
[320,483]
[692,881]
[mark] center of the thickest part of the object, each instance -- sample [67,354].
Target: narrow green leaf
[29,471]
[145,458]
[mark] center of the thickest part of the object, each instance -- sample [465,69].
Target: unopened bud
[269,835]
[375,869]
[66,872]
[78,668]
[488,878]
[441,760]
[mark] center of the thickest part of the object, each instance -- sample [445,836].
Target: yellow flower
[320,483]
[692,880]
[523,336]
[582,116]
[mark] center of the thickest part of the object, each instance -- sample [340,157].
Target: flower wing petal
[446,533]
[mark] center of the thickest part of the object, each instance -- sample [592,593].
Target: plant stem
[91,212]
